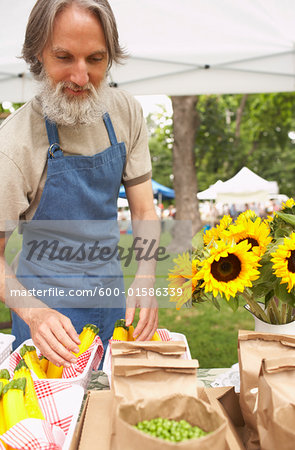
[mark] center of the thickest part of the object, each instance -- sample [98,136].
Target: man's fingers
[56,352]
[147,324]
[68,335]
[129,316]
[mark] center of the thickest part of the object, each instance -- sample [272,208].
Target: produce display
[170,430]
[43,368]
[18,398]
[124,333]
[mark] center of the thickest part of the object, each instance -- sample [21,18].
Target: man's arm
[146,227]
[52,332]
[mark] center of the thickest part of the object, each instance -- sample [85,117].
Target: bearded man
[63,157]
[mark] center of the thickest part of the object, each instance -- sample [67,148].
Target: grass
[211,334]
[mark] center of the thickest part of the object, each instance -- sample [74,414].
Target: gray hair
[40,26]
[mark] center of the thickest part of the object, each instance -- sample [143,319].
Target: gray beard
[58,107]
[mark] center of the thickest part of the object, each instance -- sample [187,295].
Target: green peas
[170,430]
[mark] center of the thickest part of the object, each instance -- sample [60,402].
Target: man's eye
[96,59]
[62,57]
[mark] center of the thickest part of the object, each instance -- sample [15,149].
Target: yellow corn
[156,337]
[28,353]
[14,402]
[4,376]
[43,362]
[31,400]
[130,333]
[87,336]
[54,371]
[120,331]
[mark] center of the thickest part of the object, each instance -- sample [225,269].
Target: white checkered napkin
[76,369]
[57,401]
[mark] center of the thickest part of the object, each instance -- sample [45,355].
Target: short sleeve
[13,197]
[138,166]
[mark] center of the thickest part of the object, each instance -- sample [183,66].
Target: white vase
[264,327]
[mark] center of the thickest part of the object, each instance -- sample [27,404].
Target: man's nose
[79,74]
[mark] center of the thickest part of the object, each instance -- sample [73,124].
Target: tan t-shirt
[24,145]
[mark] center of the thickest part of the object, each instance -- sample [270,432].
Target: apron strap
[54,150]
[110,129]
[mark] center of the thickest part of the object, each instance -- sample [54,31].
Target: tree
[185,125]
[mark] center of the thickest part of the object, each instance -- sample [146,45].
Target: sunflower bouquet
[247,260]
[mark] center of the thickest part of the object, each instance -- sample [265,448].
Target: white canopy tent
[178,47]
[246,187]
[211,192]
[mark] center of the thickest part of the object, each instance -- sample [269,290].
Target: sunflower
[248,214]
[288,204]
[284,261]
[255,231]
[229,269]
[181,277]
[216,232]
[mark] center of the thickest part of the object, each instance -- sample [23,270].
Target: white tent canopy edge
[178,48]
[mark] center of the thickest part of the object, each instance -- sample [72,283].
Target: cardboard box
[94,428]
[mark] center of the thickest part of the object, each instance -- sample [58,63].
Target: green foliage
[160,144]
[261,141]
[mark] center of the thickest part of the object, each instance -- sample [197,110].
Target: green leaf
[215,302]
[289,218]
[266,273]
[198,241]
[233,302]
[261,290]
[281,292]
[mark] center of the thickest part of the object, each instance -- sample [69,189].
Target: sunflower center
[227,268]
[252,241]
[291,262]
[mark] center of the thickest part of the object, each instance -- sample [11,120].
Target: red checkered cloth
[164,334]
[75,369]
[58,401]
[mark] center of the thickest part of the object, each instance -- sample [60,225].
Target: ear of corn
[4,376]
[120,331]
[54,371]
[130,333]
[43,362]
[156,337]
[28,353]
[31,400]
[87,336]
[14,402]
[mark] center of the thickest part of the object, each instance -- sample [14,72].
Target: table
[99,380]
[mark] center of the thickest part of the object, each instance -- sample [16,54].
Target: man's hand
[141,288]
[53,334]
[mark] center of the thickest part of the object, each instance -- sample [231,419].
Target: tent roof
[211,192]
[178,48]
[158,188]
[246,186]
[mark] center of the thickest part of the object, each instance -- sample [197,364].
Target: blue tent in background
[160,191]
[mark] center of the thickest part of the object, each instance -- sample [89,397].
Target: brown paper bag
[276,404]
[253,347]
[176,407]
[148,349]
[133,379]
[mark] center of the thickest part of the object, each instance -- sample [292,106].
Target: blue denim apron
[75,219]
